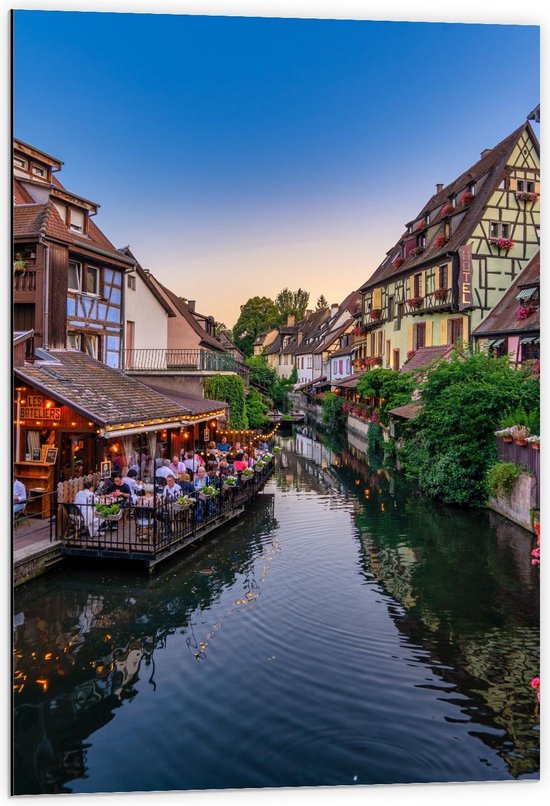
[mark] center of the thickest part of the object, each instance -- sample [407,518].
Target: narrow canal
[344,631]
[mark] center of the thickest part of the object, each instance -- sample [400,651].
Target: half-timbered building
[457,256]
[68,277]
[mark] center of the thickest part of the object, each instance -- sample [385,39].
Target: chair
[144,521]
[20,516]
[76,525]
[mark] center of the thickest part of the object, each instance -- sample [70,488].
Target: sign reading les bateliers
[36,410]
[465,277]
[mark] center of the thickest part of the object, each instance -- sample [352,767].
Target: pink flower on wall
[447,209]
[397,262]
[503,243]
[524,311]
[466,197]
[440,240]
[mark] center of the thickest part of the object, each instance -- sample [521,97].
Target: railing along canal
[181,360]
[154,526]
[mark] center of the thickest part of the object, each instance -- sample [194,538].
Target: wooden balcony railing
[183,361]
[439,300]
[24,281]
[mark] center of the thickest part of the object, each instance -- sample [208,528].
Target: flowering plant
[410,354]
[523,195]
[415,302]
[447,209]
[466,197]
[524,311]
[440,240]
[535,682]
[535,554]
[416,250]
[502,243]
[397,262]
[185,501]
[248,472]
[208,491]
[519,432]
[441,293]
[375,314]
[421,224]
[534,439]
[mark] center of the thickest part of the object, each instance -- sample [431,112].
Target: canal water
[344,631]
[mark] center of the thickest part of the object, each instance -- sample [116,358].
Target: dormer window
[20,163]
[427,217]
[76,222]
[37,171]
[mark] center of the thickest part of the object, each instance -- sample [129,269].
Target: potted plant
[397,262]
[503,243]
[440,240]
[19,266]
[208,493]
[185,501]
[524,311]
[229,482]
[523,195]
[421,224]
[519,433]
[415,302]
[466,197]
[415,251]
[259,466]
[410,354]
[534,441]
[375,314]
[447,209]
[109,512]
[246,475]
[441,294]
[277,449]
[504,434]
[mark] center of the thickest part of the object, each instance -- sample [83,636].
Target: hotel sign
[36,410]
[465,277]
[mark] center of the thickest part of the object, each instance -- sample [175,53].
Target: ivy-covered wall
[231,389]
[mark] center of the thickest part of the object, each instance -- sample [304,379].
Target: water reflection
[464,579]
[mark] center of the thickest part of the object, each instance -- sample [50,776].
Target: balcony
[24,281]
[183,362]
[435,301]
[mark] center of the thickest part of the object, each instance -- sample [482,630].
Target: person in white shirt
[176,466]
[193,461]
[134,485]
[85,500]
[164,471]
[19,495]
[172,490]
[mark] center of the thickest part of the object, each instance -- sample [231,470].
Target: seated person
[250,461]
[116,487]
[240,464]
[192,461]
[19,496]
[85,500]
[223,468]
[165,470]
[185,483]
[224,445]
[136,487]
[201,479]
[237,448]
[176,465]
[172,491]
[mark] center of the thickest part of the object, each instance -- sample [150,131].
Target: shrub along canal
[343,631]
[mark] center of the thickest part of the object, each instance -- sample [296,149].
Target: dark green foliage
[501,478]
[256,410]
[261,373]
[291,302]
[231,389]
[393,387]
[257,314]
[451,443]
[519,416]
[375,440]
[333,415]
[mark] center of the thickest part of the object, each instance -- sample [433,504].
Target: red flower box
[417,250]
[524,311]
[447,209]
[421,224]
[375,314]
[523,195]
[466,197]
[441,293]
[440,240]
[415,302]
[503,243]
[397,262]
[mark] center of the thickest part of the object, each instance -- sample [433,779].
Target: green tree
[221,327]
[333,413]
[451,444]
[256,409]
[292,302]
[321,303]
[261,373]
[389,389]
[257,314]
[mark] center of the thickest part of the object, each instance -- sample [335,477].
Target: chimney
[334,308]
[308,314]
[191,305]
[439,187]
[290,320]
[485,152]
[299,337]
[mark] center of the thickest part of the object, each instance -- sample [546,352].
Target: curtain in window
[127,450]
[33,441]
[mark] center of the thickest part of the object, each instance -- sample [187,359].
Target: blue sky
[238,156]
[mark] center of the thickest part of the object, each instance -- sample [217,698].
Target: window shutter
[446,331]
[377,298]
[429,333]
[410,338]
[537,187]
[512,183]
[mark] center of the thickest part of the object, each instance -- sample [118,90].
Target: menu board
[48,455]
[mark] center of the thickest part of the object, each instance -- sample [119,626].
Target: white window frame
[81,273]
[19,162]
[77,290]
[38,171]
[499,229]
[97,276]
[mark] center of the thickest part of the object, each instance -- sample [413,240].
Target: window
[499,229]
[380,342]
[373,343]
[91,280]
[132,282]
[75,274]
[38,171]
[427,217]
[341,366]
[391,307]
[20,163]
[400,310]
[417,285]
[421,241]
[396,360]
[524,185]
[455,330]
[76,220]
[443,276]
[419,335]
[62,210]
[85,342]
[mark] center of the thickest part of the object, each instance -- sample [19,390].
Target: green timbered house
[457,257]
